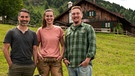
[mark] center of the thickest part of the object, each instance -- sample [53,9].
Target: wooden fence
[105,30]
[125,33]
[108,30]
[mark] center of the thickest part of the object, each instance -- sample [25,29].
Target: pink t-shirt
[49,39]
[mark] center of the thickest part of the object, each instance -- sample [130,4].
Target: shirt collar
[74,27]
[22,31]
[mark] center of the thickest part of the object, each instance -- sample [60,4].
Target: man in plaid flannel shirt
[80,45]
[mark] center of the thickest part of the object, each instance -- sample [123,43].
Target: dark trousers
[21,70]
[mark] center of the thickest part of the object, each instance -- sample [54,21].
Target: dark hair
[43,19]
[23,10]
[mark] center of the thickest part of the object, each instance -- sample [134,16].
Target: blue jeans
[80,71]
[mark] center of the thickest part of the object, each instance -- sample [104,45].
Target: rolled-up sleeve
[91,43]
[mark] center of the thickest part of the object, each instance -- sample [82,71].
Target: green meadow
[115,54]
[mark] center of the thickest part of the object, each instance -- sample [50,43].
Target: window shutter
[94,13]
[111,24]
[83,14]
[103,25]
[87,14]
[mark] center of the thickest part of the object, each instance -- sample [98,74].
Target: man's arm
[35,54]
[65,60]
[92,43]
[91,46]
[7,54]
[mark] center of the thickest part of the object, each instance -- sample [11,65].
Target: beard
[76,22]
[23,22]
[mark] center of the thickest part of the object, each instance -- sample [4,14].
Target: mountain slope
[38,7]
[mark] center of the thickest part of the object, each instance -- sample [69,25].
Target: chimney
[94,1]
[70,4]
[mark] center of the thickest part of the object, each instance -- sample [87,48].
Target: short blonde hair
[76,7]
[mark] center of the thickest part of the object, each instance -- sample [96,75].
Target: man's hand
[66,62]
[85,62]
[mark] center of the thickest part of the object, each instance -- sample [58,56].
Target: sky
[125,3]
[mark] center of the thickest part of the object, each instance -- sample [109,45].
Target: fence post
[126,32]
[117,31]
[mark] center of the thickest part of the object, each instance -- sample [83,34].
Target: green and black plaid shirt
[80,43]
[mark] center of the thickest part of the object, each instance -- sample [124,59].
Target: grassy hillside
[115,55]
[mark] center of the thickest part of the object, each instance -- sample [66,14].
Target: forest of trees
[9,9]
[37,7]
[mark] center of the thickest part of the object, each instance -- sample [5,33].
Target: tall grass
[115,55]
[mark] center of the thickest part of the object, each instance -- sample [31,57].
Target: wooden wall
[102,16]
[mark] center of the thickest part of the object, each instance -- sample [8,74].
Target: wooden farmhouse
[100,18]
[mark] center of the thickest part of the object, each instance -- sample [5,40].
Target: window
[92,13]
[107,25]
[89,14]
